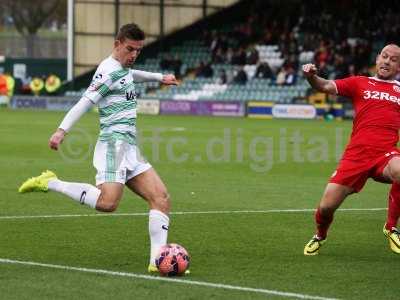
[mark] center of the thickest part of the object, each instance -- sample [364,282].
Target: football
[172,260]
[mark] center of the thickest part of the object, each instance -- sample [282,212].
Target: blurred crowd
[342,38]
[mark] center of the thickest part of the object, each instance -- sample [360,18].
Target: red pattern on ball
[172,260]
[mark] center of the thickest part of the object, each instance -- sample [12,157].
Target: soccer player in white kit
[116,156]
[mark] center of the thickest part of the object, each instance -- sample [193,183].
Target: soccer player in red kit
[371,152]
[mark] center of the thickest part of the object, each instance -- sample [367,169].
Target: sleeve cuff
[334,83]
[159,76]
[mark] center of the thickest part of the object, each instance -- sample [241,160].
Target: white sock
[158,230]
[83,193]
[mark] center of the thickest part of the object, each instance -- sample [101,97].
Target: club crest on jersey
[396,88]
[95,84]
[130,95]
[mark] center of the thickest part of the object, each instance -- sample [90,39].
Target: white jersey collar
[383,80]
[114,61]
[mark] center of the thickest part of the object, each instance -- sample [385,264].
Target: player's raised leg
[104,198]
[333,196]
[150,187]
[392,171]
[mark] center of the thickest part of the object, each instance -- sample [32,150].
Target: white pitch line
[165,279]
[187,213]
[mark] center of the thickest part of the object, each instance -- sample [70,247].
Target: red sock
[323,222]
[393,206]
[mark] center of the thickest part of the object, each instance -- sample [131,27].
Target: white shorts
[117,161]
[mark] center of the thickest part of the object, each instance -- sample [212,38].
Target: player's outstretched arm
[143,76]
[318,83]
[169,79]
[75,113]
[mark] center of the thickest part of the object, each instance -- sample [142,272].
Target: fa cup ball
[172,260]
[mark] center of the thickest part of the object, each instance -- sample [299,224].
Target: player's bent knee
[107,207]
[107,204]
[395,173]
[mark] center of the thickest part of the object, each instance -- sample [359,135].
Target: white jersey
[113,90]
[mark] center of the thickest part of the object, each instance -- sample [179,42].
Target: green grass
[257,250]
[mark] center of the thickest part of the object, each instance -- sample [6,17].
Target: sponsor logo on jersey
[165,227]
[377,95]
[122,81]
[373,83]
[130,95]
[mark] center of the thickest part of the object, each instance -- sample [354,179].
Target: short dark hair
[130,31]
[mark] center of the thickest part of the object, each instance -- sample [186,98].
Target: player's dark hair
[130,31]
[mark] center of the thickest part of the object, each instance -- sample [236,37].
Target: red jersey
[376,105]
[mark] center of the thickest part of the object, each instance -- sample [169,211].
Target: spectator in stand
[323,70]
[240,77]
[219,57]
[204,70]
[352,70]
[340,68]
[344,48]
[264,71]
[291,76]
[362,55]
[322,54]
[292,45]
[281,77]
[252,56]
[214,42]
[218,46]
[239,57]
[229,55]
[268,38]
[289,50]
[222,79]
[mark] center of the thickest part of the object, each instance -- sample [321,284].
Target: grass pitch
[247,187]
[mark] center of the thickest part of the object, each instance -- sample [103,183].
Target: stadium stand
[257,55]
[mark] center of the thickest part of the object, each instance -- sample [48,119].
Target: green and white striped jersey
[113,90]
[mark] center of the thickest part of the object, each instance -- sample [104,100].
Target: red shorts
[354,172]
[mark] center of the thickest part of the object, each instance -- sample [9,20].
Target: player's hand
[56,139]
[169,79]
[309,70]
